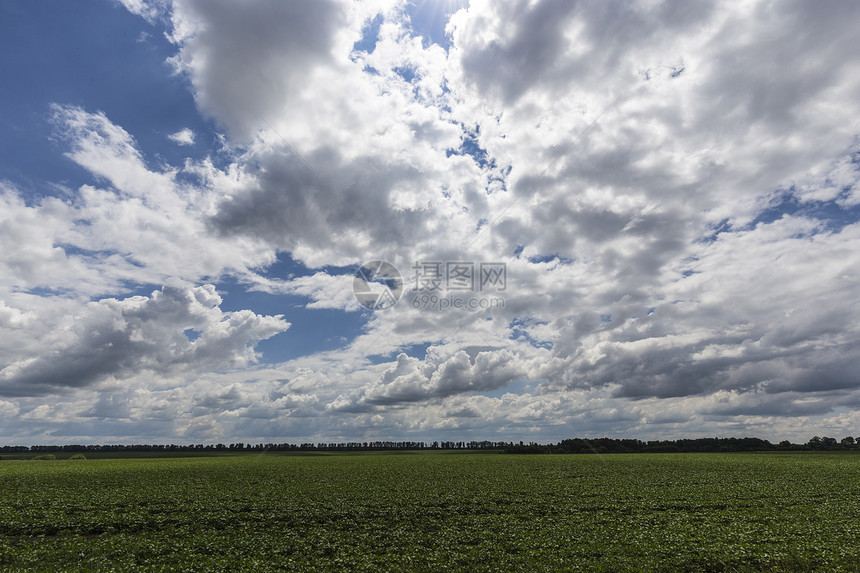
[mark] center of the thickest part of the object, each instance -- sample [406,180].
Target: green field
[433,512]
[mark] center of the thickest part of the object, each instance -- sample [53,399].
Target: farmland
[433,511]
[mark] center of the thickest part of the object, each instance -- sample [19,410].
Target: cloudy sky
[610,218]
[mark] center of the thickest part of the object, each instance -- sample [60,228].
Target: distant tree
[814,442]
[828,442]
[847,441]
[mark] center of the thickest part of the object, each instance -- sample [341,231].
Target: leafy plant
[456,512]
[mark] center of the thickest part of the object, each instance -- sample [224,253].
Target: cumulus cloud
[13,318]
[283,43]
[671,186]
[412,380]
[341,161]
[116,339]
[141,226]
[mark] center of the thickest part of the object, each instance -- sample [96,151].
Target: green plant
[45,457]
[78,457]
[435,512]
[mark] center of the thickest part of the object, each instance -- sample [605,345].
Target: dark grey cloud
[293,206]
[558,46]
[783,405]
[248,59]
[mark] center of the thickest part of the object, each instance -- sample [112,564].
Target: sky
[333,221]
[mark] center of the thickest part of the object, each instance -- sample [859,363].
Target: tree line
[261,447]
[629,446]
[569,446]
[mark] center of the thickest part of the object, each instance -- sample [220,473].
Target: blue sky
[96,55]
[118,65]
[187,189]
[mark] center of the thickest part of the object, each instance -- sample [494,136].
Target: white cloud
[116,339]
[324,290]
[346,161]
[182,137]
[144,227]
[149,10]
[670,185]
[8,408]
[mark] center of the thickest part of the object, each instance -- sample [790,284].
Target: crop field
[433,512]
